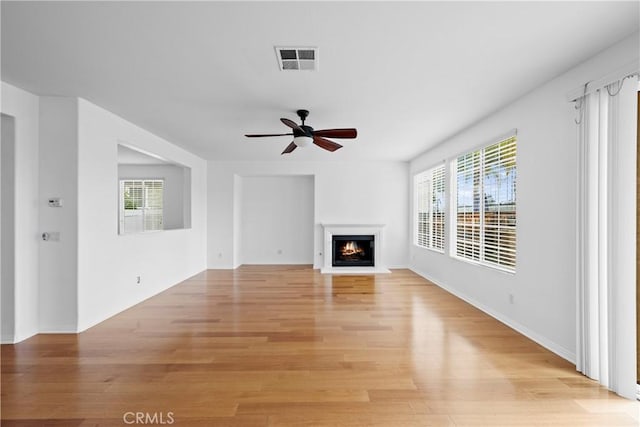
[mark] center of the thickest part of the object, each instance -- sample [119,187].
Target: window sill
[148,232]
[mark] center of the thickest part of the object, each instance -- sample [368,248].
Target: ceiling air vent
[297,58]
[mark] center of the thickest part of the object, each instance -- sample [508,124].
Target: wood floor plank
[286,345]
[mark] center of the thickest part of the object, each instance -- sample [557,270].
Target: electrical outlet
[511,298]
[138,280]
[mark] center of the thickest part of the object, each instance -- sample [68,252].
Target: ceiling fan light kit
[302,141]
[304,135]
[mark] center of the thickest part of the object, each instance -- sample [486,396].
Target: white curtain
[606,231]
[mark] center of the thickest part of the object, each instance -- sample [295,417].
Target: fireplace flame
[351,248]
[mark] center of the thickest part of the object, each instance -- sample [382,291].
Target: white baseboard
[58,329]
[68,329]
[6,338]
[543,341]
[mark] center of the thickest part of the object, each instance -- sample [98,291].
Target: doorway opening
[275,215]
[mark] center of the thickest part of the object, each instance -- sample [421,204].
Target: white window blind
[429,208]
[141,205]
[486,205]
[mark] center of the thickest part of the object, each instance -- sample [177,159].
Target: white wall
[186,197]
[108,263]
[24,106]
[238,190]
[544,283]
[67,148]
[58,268]
[345,192]
[277,220]
[173,198]
[7,229]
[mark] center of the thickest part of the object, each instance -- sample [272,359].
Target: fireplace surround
[356,260]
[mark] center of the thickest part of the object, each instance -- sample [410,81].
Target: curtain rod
[628,70]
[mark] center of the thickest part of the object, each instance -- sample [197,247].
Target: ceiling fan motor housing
[308,131]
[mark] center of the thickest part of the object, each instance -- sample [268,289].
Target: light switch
[51,236]
[55,202]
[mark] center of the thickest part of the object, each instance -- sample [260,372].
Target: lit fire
[351,248]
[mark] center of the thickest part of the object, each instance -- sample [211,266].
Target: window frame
[143,208]
[454,216]
[436,179]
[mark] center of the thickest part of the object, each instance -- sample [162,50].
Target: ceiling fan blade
[267,134]
[290,148]
[325,143]
[337,133]
[292,125]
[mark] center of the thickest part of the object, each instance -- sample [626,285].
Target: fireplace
[370,236]
[353,250]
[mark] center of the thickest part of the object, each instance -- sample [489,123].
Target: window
[141,205]
[486,205]
[429,208]
[166,180]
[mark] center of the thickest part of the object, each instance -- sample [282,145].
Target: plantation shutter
[486,205]
[429,199]
[153,190]
[468,205]
[141,204]
[133,195]
[423,189]
[500,203]
[437,208]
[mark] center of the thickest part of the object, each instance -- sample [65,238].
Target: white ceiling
[202,74]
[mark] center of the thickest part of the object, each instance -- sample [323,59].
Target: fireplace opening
[353,250]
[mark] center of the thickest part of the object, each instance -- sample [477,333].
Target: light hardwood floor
[285,345]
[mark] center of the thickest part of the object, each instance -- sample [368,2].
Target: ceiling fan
[304,135]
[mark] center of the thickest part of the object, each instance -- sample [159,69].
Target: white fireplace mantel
[347,229]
